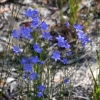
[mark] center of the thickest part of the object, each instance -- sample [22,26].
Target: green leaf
[98,90]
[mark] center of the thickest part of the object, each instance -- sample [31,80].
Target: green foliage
[73,7]
[96,91]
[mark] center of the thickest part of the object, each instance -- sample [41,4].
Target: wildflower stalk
[96,96]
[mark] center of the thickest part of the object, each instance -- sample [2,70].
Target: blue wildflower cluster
[25,32]
[28,63]
[81,35]
[63,44]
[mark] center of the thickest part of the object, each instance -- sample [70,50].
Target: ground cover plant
[36,64]
[33,58]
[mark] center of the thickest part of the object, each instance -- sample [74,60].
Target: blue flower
[33,76]
[83,38]
[66,45]
[85,41]
[62,42]
[78,27]
[27,67]
[81,34]
[56,56]
[24,61]
[16,49]
[35,22]
[39,94]
[34,60]
[60,38]
[37,48]
[46,36]
[66,81]
[43,26]
[35,12]
[16,34]
[41,88]
[28,13]
[67,24]
[25,32]
[64,61]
